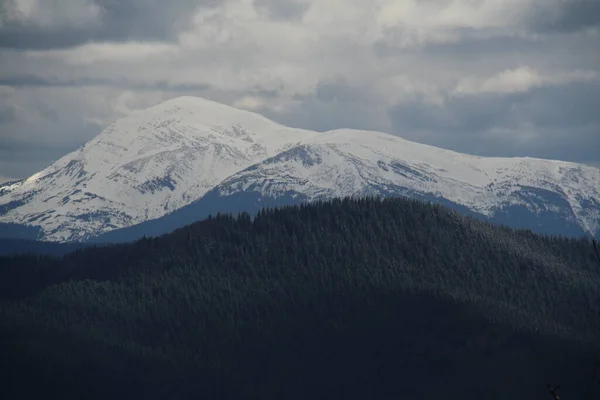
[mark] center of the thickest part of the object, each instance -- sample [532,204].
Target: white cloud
[519,80]
[509,81]
[451,14]
[251,103]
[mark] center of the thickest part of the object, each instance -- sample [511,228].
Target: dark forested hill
[352,299]
[10,247]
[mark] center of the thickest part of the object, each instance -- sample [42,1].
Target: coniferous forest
[345,299]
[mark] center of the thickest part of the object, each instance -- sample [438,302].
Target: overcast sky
[486,77]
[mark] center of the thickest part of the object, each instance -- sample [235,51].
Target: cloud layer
[489,77]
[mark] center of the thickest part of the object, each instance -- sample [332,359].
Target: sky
[484,77]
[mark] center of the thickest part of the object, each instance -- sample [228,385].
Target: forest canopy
[349,298]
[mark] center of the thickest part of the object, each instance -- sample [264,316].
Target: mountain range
[175,163]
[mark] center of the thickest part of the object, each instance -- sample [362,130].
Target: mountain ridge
[383,295]
[141,167]
[157,161]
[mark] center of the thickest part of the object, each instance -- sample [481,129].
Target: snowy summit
[161,159]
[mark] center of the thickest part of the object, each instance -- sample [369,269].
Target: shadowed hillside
[353,299]
[12,247]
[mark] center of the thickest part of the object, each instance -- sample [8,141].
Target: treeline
[353,298]
[11,247]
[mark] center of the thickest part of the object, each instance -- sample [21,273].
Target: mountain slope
[546,196]
[174,163]
[358,163]
[11,247]
[142,167]
[366,299]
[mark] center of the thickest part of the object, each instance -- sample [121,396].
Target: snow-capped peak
[160,159]
[356,163]
[144,166]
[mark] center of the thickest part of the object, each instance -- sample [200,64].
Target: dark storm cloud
[560,115]
[7,115]
[121,20]
[25,159]
[334,104]
[47,112]
[473,43]
[282,9]
[337,90]
[566,16]
[564,106]
[574,105]
[20,157]
[458,115]
[24,81]
[260,91]
[324,116]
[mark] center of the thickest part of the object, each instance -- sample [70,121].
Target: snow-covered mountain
[533,192]
[189,157]
[143,167]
